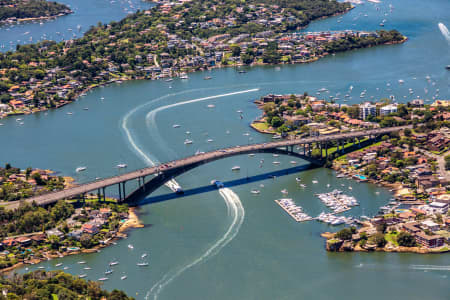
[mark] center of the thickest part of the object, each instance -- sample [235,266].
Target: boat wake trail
[236,213]
[444,31]
[150,117]
[430,267]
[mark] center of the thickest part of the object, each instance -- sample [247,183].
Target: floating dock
[294,211]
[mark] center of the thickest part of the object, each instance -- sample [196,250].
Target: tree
[276,122]
[405,239]
[86,241]
[344,234]
[236,51]
[407,132]
[379,240]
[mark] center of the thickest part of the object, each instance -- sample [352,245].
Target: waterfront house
[411,227]
[429,241]
[55,232]
[90,228]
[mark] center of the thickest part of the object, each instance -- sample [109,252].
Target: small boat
[168,80]
[187,142]
[315,181]
[210,140]
[276,137]
[108,272]
[82,275]
[81,262]
[176,126]
[242,71]
[130,246]
[103,279]
[448,67]
[239,111]
[235,168]
[87,268]
[293,162]
[207,77]
[58,265]
[184,76]
[70,113]
[41,268]
[86,108]
[298,179]
[275,155]
[80,169]
[276,162]
[144,255]
[113,263]
[123,277]
[255,192]
[188,132]
[251,155]
[143,264]
[211,106]
[122,165]
[65,268]
[284,191]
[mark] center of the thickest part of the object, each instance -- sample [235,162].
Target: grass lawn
[392,238]
[261,126]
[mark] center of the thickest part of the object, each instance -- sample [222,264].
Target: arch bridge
[164,172]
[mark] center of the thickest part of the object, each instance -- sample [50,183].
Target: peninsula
[12,11]
[171,40]
[414,163]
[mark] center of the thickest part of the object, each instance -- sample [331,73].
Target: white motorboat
[82,262]
[58,265]
[80,169]
[130,246]
[144,255]
[284,191]
[211,106]
[276,162]
[235,168]
[142,264]
[255,192]
[123,277]
[122,165]
[103,279]
[187,142]
[82,275]
[210,140]
[87,268]
[293,162]
[298,179]
[184,76]
[108,272]
[315,181]
[176,126]
[113,263]
[70,113]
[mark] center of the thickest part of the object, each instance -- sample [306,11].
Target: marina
[295,211]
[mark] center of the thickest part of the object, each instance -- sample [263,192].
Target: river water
[230,244]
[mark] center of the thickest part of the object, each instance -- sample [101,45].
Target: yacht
[187,142]
[210,140]
[275,155]
[108,272]
[255,192]
[113,263]
[123,277]
[293,162]
[276,162]
[401,81]
[103,279]
[70,113]
[122,165]
[58,265]
[251,155]
[82,275]
[239,111]
[235,168]
[276,137]
[80,169]
[315,181]
[87,268]
[142,264]
[176,126]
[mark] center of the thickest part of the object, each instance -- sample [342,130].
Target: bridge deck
[221,153]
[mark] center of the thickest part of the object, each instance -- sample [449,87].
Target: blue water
[268,255]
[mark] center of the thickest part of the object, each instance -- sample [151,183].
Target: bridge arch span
[163,177]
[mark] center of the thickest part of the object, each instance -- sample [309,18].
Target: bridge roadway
[212,155]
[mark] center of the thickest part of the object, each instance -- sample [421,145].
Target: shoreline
[133,221]
[119,80]
[16,21]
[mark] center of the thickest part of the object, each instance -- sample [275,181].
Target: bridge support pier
[104,195]
[120,193]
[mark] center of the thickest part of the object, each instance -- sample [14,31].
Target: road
[208,156]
